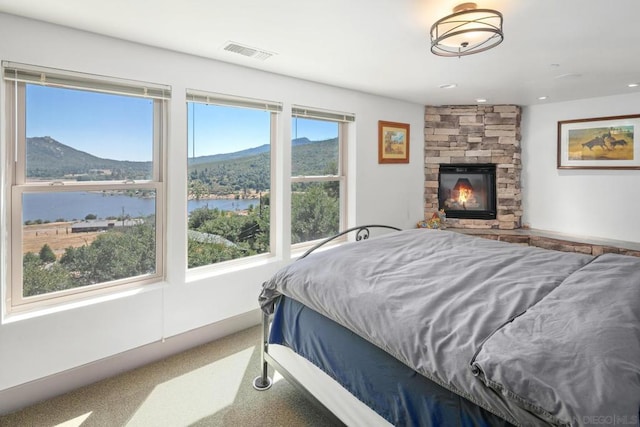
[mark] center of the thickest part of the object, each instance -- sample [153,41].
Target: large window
[86,182]
[318,173]
[229,177]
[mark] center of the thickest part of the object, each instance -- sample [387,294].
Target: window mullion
[15,258]
[158,130]
[343,142]
[315,178]
[20,138]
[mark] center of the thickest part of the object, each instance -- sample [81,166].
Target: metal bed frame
[263,381]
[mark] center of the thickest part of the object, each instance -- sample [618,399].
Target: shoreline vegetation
[59,236]
[252,195]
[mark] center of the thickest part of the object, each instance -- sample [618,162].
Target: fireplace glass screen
[468,191]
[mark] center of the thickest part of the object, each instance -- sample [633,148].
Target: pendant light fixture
[468,30]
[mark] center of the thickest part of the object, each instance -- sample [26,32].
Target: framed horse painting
[599,143]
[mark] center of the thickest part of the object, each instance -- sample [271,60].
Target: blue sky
[107,126]
[227,129]
[120,127]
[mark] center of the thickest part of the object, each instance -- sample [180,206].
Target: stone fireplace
[487,136]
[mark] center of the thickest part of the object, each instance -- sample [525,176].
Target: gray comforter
[444,304]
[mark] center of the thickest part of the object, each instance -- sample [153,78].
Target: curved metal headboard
[362,233]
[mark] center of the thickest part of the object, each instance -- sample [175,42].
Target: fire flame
[465,191]
[464,194]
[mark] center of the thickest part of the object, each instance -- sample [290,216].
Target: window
[86,183]
[229,177]
[318,173]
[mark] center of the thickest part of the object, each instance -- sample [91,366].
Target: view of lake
[77,205]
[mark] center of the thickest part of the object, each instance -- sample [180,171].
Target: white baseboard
[21,396]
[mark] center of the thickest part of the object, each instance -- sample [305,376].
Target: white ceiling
[563,49]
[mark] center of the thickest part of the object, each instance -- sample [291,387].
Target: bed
[433,327]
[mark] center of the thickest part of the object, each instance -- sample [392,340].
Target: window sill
[299,250]
[234,266]
[228,267]
[80,303]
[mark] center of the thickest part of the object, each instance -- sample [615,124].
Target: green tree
[30,257]
[248,234]
[261,238]
[209,253]
[197,189]
[46,254]
[314,214]
[114,255]
[201,215]
[39,279]
[332,187]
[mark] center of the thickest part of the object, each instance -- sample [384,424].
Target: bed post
[263,382]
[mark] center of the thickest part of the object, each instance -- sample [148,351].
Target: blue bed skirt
[392,389]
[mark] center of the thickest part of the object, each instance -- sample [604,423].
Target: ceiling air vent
[250,52]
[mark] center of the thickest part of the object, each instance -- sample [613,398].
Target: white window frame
[344,120]
[16,77]
[275,110]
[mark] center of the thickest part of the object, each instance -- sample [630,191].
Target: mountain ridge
[48,158]
[264,148]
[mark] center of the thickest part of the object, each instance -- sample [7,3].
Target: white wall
[38,346]
[590,203]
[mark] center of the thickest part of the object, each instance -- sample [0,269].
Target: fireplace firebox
[468,190]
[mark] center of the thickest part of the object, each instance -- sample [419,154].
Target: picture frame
[599,143]
[393,142]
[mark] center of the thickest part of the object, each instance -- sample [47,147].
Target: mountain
[300,141]
[221,174]
[233,172]
[230,156]
[314,157]
[266,148]
[50,159]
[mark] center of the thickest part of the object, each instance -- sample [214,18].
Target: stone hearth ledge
[556,241]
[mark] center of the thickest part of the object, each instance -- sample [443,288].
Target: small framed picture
[393,142]
[599,143]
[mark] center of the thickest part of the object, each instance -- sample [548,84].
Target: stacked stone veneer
[476,134]
[530,238]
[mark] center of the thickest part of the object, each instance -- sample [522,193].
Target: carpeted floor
[206,386]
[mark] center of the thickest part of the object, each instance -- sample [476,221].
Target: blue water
[77,205]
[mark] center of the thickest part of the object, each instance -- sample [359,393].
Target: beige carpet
[206,386]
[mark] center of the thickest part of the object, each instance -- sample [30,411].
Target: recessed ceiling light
[542,98]
[448,86]
[481,100]
[633,84]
